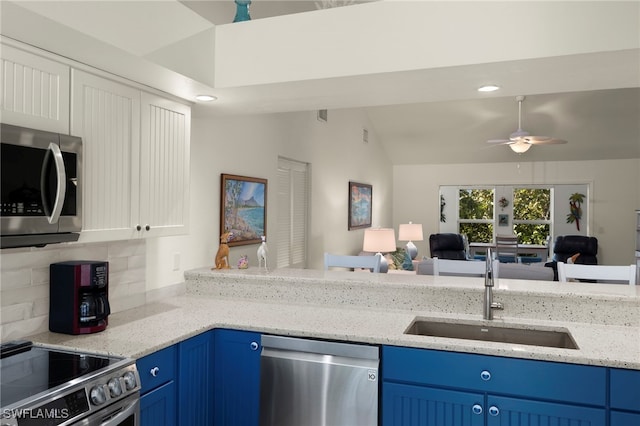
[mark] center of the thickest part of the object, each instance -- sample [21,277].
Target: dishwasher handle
[349,350]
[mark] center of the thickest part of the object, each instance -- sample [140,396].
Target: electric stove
[47,386]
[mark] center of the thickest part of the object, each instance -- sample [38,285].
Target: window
[535,213]
[532,214]
[475,214]
[292,213]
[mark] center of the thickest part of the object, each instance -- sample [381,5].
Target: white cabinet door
[164,166]
[34,91]
[106,115]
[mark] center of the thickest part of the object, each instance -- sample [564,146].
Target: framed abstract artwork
[360,203]
[243,209]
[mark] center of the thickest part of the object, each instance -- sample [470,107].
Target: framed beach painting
[243,209]
[360,196]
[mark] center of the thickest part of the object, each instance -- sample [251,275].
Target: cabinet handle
[254,346]
[494,411]
[147,227]
[477,409]
[154,371]
[485,375]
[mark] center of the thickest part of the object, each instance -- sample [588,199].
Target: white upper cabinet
[164,166]
[136,161]
[106,115]
[34,91]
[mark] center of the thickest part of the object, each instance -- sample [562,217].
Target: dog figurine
[222,256]
[262,253]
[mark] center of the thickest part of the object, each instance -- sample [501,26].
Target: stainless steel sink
[469,330]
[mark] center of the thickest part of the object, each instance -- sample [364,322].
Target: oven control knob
[98,395]
[129,380]
[115,388]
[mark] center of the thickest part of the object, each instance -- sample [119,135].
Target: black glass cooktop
[27,370]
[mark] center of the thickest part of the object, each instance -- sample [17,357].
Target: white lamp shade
[379,240]
[410,232]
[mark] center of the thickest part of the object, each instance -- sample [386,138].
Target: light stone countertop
[604,320]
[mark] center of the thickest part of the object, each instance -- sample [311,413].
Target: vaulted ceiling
[419,117]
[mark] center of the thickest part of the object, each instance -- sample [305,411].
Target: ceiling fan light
[520,147]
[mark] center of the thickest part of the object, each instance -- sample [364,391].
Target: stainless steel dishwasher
[316,383]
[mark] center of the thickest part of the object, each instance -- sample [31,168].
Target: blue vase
[242,11]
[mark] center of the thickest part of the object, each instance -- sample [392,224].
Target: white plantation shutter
[292,213]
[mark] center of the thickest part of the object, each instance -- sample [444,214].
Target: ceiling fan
[520,141]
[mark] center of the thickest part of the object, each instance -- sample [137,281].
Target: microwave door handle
[61,187]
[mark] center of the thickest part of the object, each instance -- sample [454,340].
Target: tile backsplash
[24,281]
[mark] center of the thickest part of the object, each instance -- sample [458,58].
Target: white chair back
[367,262]
[506,248]
[601,273]
[458,267]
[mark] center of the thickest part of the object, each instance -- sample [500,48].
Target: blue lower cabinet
[237,378]
[158,407]
[195,380]
[409,405]
[434,388]
[158,394]
[502,411]
[619,418]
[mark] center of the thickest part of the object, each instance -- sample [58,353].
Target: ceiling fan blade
[545,140]
[500,141]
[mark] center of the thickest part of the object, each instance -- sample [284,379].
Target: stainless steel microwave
[41,187]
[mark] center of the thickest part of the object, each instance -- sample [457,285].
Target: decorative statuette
[243,262]
[222,257]
[262,253]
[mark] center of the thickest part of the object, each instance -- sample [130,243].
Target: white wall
[611,203]
[323,44]
[250,146]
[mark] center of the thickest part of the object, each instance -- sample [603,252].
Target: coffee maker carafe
[79,296]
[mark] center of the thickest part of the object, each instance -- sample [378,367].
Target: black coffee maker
[78,296]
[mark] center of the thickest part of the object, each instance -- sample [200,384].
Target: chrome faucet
[489,304]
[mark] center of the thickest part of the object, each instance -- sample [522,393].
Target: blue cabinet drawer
[525,378]
[625,389]
[157,368]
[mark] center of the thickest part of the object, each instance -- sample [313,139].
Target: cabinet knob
[477,409]
[155,371]
[485,375]
[138,228]
[254,346]
[147,227]
[494,411]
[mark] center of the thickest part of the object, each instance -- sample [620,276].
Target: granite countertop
[604,320]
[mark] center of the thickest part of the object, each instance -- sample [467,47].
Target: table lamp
[410,232]
[379,240]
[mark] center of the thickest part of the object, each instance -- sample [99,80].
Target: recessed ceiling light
[488,88]
[206,98]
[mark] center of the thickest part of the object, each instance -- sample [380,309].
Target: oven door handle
[61,184]
[116,419]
